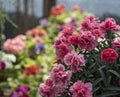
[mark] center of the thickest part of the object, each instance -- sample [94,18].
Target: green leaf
[97,81]
[115,73]
[103,75]
[114,88]
[109,94]
[95,89]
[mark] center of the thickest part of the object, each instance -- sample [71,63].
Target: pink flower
[109,55]
[62,50]
[48,89]
[90,23]
[75,61]
[59,76]
[67,31]
[15,45]
[109,25]
[87,41]
[74,39]
[60,40]
[80,89]
[21,91]
[98,33]
[2,65]
[116,44]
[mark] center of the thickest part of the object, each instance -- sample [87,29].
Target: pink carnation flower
[60,40]
[59,76]
[80,89]
[87,41]
[109,25]
[74,39]
[98,33]
[75,61]
[109,55]
[67,32]
[116,44]
[62,50]
[90,23]
[48,89]
[15,45]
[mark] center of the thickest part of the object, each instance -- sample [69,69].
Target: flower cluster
[15,45]
[32,70]
[59,9]
[21,91]
[36,32]
[59,78]
[85,63]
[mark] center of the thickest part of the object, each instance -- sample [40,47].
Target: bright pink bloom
[67,32]
[62,50]
[74,39]
[21,91]
[109,25]
[90,23]
[48,89]
[116,44]
[59,76]
[87,41]
[98,33]
[75,61]
[15,45]
[2,65]
[60,40]
[109,55]
[80,89]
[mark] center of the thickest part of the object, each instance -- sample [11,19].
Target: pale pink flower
[90,23]
[87,41]
[116,44]
[48,89]
[15,45]
[80,89]
[109,25]
[62,50]
[60,77]
[75,61]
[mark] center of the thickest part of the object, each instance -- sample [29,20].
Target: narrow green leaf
[115,73]
[113,88]
[96,89]
[109,94]
[103,76]
[97,81]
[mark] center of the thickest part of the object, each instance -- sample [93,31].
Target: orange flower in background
[32,70]
[58,9]
[36,32]
[37,39]
[77,8]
